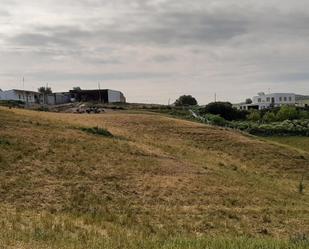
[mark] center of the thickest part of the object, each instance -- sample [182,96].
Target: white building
[302,100]
[28,97]
[265,101]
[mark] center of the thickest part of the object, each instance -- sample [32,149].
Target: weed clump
[301,186]
[4,142]
[98,131]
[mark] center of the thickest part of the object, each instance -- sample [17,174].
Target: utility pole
[215,97]
[100,97]
[25,97]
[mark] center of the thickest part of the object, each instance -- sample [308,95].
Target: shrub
[287,127]
[301,186]
[303,114]
[4,141]
[269,117]
[98,131]
[12,103]
[43,109]
[215,119]
[254,116]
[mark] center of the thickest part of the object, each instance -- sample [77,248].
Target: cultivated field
[157,183]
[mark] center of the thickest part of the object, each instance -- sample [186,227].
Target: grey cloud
[54,76]
[232,42]
[165,29]
[170,29]
[161,58]
[103,61]
[4,13]
[37,40]
[291,77]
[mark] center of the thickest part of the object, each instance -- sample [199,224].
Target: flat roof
[18,90]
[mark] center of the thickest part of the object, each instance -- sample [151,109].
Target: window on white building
[290,99]
[285,99]
[259,100]
[280,99]
[268,99]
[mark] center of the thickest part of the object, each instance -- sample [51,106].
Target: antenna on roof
[215,97]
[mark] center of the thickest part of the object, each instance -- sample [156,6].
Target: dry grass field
[157,183]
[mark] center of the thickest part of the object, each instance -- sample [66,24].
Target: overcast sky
[153,50]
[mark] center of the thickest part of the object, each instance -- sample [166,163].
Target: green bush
[303,114]
[285,128]
[287,113]
[12,103]
[43,109]
[269,117]
[225,110]
[254,116]
[215,119]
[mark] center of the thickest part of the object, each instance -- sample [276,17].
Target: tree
[45,90]
[77,88]
[248,101]
[185,100]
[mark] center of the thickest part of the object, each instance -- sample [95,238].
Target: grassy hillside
[157,183]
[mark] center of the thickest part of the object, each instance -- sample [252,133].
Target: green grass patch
[97,131]
[293,141]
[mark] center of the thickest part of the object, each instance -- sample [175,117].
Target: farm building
[31,97]
[28,97]
[57,98]
[104,96]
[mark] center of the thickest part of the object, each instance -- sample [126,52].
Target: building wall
[19,95]
[2,95]
[303,103]
[114,96]
[9,95]
[62,98]
[57,99]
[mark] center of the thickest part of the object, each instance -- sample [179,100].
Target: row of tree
[48,90]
